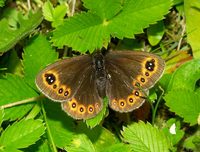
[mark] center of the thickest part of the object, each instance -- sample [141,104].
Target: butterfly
[80,83]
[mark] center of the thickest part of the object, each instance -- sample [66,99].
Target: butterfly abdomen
[100,73]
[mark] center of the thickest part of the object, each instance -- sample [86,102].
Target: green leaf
[192,14]
[59,14]
[185,103]
[185,76]
[155,33]
[13,89]
[137,15]
[9,149]
[56,16]
[104,9]
[89,35]
[60,124]
[80,143]
[22,134]
[146,138]
[9,37]
[99,136]
[183,96]
[48,11]
[39,52]
[92,30]
[173,131]
[98,118]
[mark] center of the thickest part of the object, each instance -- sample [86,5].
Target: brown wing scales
[86,102]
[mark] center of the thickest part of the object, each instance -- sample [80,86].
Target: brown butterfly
[80,83]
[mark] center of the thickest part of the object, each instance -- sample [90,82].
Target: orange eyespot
[122,103]
[142,80]
[131,100]
[90,109]
[50,77]
[114,102]
[146,73]
[136,93]
[54,86]
[67,92]
[73,104]
[81,109]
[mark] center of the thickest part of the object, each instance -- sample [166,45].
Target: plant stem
[50,138]
[20,102]
[154,110]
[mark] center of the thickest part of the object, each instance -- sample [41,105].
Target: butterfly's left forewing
[130,75]
[60,80]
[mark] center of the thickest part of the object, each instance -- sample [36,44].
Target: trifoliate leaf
[22,134]
[146,138]
[9,37]
[92,30]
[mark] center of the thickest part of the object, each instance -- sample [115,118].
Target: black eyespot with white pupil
[136,93]
[131,100]
[50,78]
[150,65]
[73,105]
[81,109]
[60,90]
[147,74]
[66,93]
[142,80]
[91,109]
[122,103]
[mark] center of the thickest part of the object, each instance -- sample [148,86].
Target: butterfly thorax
[100,73]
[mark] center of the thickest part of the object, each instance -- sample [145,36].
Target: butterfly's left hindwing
[86,102]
